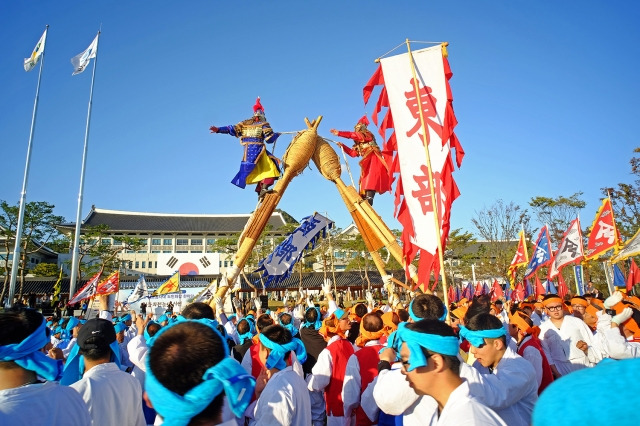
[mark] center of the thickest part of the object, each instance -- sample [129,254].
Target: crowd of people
[541,361]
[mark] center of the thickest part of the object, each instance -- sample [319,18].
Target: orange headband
[366,336]
[554,299]
[327,331]
[389,324]
[460,312]
[519,322]
[579,301]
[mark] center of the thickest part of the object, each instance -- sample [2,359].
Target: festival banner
[172,285]
[89,289]
[57,288]
[140,291]
[31,62]
[577,273]
[415,105]
[631,248]
[81,60]
[603,234]
[521,258]
[541,253]
[570,249]
[278,265]
[109,285]
[208,292]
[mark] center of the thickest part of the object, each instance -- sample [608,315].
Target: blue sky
[545,93]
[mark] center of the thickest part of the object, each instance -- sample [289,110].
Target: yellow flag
[172,285]
[57,287]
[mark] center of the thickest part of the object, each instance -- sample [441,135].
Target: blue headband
[415,340]
[292,329]
[49,323]
[126,317]
[476,337]
[28,356]
[162,319]
[249,334]
[278,351]
[73,322]
[416,318]
[227,376]
[147,336]
[316,324]
[74,367]
[120,327]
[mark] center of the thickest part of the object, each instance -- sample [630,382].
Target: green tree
[625,199]
[498,225]
[39,227]
[45,270]
[557,212]
[459,254]
[100,255]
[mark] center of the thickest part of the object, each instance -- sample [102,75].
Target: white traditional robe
[560,344]
[111,395]
[47,404]
[461,410]
[284,401]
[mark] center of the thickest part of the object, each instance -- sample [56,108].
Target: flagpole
[23,195]
[76,239]
[613,221]
[436,216]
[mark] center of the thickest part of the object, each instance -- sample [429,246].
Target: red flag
[562,287]
[110,285]
[603,234]
[87,291]
[634,276]
[452,294]
[518,293]
[539,287]
[496,291]
[479,289]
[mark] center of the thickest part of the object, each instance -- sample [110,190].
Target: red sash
[547,374]
[340,351]
[368,358]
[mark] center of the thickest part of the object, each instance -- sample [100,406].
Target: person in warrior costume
[258,165]
[374,173]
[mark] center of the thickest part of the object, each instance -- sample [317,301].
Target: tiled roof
[124,221]
[310,281]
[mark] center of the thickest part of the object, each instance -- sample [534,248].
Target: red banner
[603,234]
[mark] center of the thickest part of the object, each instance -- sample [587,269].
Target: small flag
[207,293]
[496,291]
[110,285]
[139,292]
[541,253]
[89,289]
[631,248]
[634,276]
[172,285]
[540,289]
[81,60]
[618,277]
[563,290]
[31,62]
[57,288]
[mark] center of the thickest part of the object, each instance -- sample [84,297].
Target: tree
[39,227]
[459,252]
[91,246]
[625,200]
[557,212]
[499,225]
[45,270]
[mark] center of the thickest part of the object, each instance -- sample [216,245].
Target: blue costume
[258,165]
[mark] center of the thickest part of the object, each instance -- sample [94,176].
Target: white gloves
[326,287]
[386,280]
[219,305]
[310,302]
[257,303]
[237,303]
[369,297]
[613,300]
[298,312]
[622,316]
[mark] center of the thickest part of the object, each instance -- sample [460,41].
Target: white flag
[631,248]
[81,61]
[208,293]
[89,289]
[570,249]
[139,292]
[405,107]
[31,62]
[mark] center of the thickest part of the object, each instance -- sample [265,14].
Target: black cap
[100,329]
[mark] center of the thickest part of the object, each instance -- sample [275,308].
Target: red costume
[374,172]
